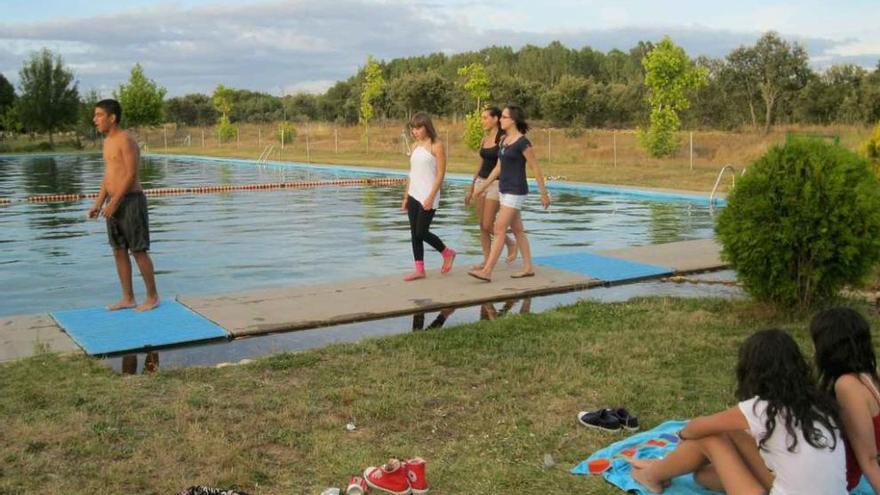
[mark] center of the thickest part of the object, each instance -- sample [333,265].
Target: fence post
[549,133]
[165,137]
[237,137]
[692,151]
[203,137]
[219,140]
[283,132]
[308,150]
[259,137]
[336,140]
[614,145]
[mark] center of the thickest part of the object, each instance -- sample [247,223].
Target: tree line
[754,86]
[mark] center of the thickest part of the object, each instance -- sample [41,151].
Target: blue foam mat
[99,331]
[602,267]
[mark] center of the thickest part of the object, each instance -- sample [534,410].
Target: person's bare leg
[654,474]
[123,269]
[732,470]
[145,264]
[748,450]
[522,241]
[485,232]
[502,223]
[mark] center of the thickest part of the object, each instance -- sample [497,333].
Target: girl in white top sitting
[782,439]
[427,167]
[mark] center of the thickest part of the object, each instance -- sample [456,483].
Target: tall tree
[141,100]
[772,69]
[192,109]
[671,77]
[373,86]
[49,98]
[7,99]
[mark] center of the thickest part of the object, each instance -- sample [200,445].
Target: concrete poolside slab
[683,257]
[273,310]
[25,336]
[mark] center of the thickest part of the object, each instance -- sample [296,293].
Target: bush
[473,130]
[226,130]
[661,137]
[872,147]
[802,223]
[286,131]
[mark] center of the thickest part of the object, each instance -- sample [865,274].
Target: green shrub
[802,223]
[226,130]
[473,130]
[661,137]
[287,131]
[872,147]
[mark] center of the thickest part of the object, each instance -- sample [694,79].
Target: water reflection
[488,312]
[130,363]
[43,175]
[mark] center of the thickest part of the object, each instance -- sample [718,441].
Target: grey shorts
[129,227]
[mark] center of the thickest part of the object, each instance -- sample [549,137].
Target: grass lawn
[483,403]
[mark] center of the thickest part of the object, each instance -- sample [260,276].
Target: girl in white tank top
[427,167]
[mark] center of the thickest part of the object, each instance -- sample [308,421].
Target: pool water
[52,257]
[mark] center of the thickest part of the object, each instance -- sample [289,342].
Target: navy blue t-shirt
[513,167]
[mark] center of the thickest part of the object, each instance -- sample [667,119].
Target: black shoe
[603,419]
[626,419]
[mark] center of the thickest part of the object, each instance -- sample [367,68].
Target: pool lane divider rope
[217,188]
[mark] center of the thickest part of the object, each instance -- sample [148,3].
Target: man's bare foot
[640,473]
[512,251]
[150,303]
[122,304]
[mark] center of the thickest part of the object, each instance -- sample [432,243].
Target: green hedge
[802,223]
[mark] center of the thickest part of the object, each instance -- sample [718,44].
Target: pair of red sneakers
[398,478]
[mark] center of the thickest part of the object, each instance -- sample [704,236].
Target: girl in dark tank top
[487,204]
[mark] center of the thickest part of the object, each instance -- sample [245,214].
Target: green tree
[574,100]
[7,101]
[49,99]
[671,77]
[222,100]
[85,125]
[476,84]
[772,70]
[191,109]
[373,86]
[141,100]
[423,91]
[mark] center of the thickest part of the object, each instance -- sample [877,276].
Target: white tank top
[422,174]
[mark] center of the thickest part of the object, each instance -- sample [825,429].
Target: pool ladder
[264,156]
[725,168]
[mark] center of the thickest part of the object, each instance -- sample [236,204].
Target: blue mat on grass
[602,267]
[655,444]
[99,331]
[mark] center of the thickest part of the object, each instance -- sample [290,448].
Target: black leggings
[419,223]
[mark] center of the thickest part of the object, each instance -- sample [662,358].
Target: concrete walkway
[282,309]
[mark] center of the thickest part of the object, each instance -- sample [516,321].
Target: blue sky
[290,45]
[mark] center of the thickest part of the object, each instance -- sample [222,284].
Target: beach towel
[656,443]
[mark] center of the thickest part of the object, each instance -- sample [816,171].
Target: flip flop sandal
[480,277]
[523,275]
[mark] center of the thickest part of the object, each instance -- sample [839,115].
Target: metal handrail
[264,156]
[718,181]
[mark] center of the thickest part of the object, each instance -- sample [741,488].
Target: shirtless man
[126,206]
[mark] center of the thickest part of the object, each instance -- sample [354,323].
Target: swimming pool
[52,257]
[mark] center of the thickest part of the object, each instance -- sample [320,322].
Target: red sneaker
[415,471]
[357,486]
[390,478]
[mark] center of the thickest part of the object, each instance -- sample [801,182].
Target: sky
[285,46]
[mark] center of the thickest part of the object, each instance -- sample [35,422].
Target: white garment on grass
[807,470]
[422,174]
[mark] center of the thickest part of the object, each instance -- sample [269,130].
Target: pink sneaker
[390,478]
[415,471]
[416,274]
[448,259]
